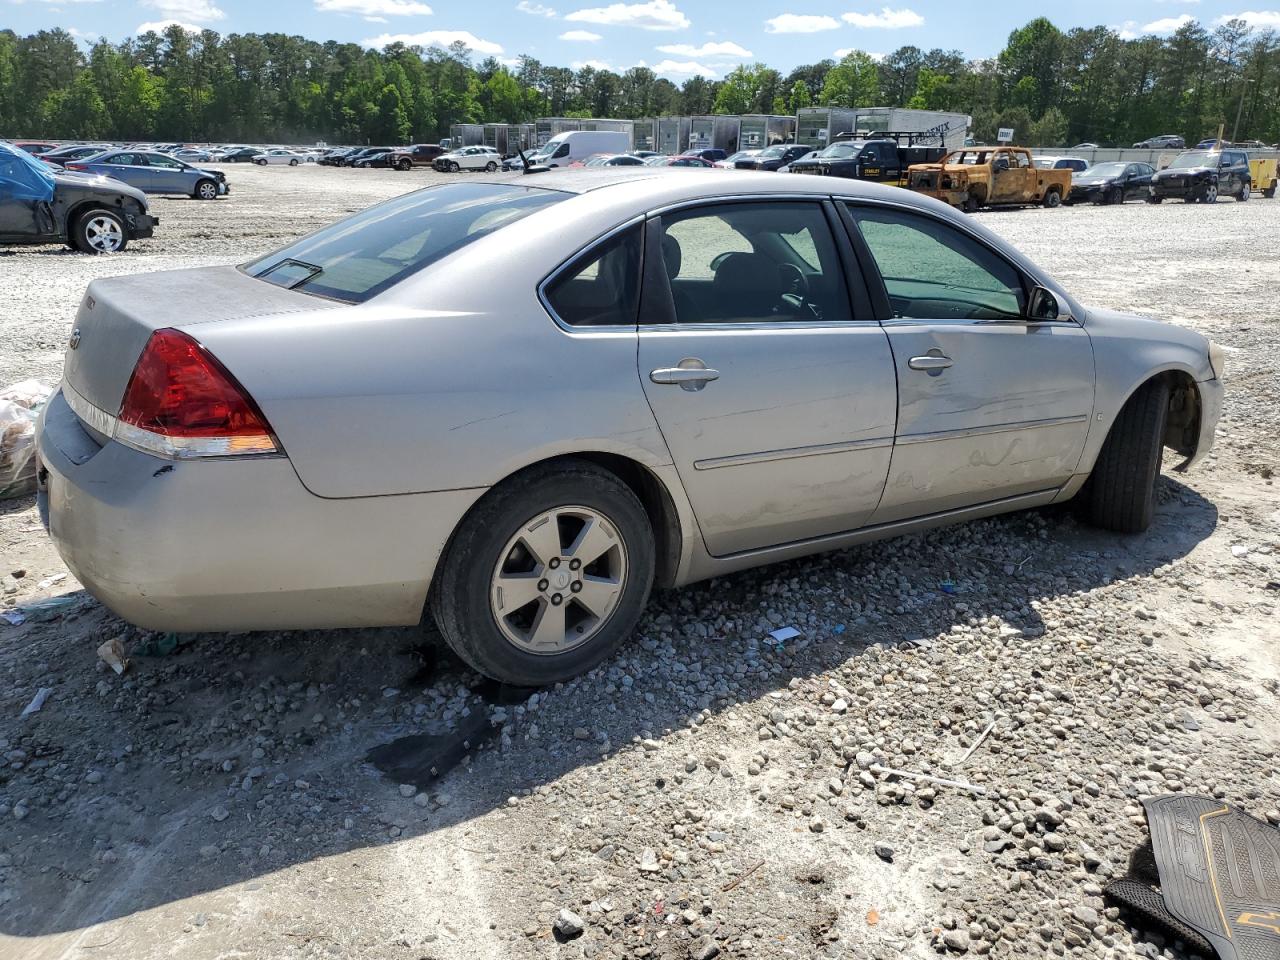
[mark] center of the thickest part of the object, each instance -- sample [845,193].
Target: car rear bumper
[232,544]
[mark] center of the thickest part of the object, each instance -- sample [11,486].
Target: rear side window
[602,287]
[362,256]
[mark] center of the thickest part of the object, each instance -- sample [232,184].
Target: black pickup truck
[41,204]
[884,158]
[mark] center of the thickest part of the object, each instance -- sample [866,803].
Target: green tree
[853,82]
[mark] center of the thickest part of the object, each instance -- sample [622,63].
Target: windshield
[841,150]
[771,152]
[1194,158]
[1103,171]
[366,254]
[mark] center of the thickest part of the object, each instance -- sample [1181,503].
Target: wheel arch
[1186,406]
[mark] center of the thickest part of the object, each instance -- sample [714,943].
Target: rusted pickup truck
[990,177]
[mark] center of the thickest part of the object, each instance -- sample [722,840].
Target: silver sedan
[653,378]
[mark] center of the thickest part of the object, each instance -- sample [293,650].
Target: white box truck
[575,145]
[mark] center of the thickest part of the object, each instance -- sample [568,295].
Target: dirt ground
[707,791]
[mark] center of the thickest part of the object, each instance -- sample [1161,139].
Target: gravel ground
[706,792]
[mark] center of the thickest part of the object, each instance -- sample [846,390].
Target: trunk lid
[118,314]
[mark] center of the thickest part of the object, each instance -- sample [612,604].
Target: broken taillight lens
[181,402]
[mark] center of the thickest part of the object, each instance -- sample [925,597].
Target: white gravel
[705,792]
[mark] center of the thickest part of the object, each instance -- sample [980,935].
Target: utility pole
[1235,130]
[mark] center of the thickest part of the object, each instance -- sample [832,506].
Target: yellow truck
[990,177]
[1265,176]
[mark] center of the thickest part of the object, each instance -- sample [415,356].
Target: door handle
[690,373]
[932,362]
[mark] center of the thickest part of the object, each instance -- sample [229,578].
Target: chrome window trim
[909,438]
[550,278]
[755,325]
[791,453]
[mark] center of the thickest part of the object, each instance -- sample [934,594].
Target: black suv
[883,160]
[42,204]
[1203,176]
[771,158]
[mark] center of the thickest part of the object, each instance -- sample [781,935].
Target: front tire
[1211,193]
[453,167]
[1116,196]
[100,231]
[404,163]
[546,576]
[1120,492]
[206,190]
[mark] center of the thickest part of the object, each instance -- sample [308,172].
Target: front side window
[602,287]
[366,254]
[932,271]
[753,262]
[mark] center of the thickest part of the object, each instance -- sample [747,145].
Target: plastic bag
[19,407]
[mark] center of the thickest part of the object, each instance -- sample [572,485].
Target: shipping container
[757,130]
[718,131]
[932,127]
[673,135]
[643,135]
[547,127]
[818,126]
[466,135]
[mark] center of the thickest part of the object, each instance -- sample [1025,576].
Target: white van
[575,145]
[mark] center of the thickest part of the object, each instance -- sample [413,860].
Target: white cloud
[18,3]
[1167,24]
[722,49]
[652,15]
[593,64]
[435,38]
[537,9]
[800,23]
[375,19]
[158,26]
[683,68]
[886,19]
[580,36]
[375,8]
[845,51]
[198,11]
[1261,19]
[1127,30]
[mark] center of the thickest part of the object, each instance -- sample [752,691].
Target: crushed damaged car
[41,204]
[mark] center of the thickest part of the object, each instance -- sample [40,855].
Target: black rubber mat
[1146,905]
[1219,873]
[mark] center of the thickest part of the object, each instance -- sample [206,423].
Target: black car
[1112,182]
[243,155]
[1203,176]
[771,158]
[64,155]
[41,204]
[382,157]
[357,159]
[883,160]
[709,154]
[334,157]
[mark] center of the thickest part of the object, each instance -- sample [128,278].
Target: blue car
[155,173]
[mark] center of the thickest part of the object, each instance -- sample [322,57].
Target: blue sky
[676,38]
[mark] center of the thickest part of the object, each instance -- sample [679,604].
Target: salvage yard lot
[707,789]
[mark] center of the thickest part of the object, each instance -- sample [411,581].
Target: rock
[568,924]
[704,948]
[219,813]
[408,790]
[816,825]
[1086,915]
[956,940]
[884,852]
[648,861]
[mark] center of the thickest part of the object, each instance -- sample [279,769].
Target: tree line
[1052,86]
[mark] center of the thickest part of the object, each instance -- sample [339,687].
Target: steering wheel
[799,283]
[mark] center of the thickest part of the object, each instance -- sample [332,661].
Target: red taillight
[77,166]
[181,402]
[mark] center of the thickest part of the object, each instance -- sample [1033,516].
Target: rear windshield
[362,256]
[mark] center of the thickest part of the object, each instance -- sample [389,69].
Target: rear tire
[100,231]
[1269,192]
[1120,492]
[293,163]
[1052,199]
[467,601]
[490,167]
[1245,191]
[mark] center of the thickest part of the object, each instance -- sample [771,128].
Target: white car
[730,162]
[279,156]
[469,158]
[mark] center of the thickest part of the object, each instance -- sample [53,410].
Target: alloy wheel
[558,580]
[104,234]
[208,191]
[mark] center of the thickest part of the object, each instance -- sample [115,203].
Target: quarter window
[753,262]
[932,271]
[602,287]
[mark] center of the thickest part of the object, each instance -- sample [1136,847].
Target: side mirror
[1042,306]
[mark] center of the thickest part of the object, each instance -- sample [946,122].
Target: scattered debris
[48,582]
[38,700]
[976,744]
[161,645]
[112,654]
[873,917]
[742,876]
[783,634]
[940,781]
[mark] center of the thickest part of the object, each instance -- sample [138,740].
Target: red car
[34,147]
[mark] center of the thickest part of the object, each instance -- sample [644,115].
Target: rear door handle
[931,362]
[691,374]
